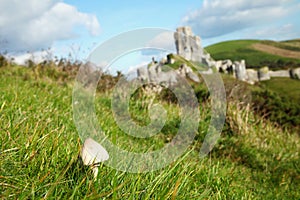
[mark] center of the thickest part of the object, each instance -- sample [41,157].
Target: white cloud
[217,17]
[275,32]
[133,69]
[164,40]
[33,24]
[36,57]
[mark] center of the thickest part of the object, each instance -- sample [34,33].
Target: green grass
[39,148]
[292,45]
[276,100]
[242,49]
[179,60]
[285,87]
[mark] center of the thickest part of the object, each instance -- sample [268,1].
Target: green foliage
[278,109]
[284,87]
[276,100]
[3,61]
[201,92]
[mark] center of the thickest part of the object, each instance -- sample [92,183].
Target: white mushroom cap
[93,153]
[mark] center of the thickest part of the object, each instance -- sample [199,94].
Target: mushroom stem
[95,171]
[92,153]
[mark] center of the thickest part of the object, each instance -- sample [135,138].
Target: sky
[38,28]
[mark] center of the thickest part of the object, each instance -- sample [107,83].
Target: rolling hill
[258,53]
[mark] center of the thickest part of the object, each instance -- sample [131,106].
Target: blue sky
[76,26]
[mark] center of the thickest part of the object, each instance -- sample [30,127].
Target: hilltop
[259,53]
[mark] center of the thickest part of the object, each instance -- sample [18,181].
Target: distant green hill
[257,53]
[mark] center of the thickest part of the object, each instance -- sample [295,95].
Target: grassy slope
[287,87]
[242,49]
[39,148]
[293,45]
[276,100]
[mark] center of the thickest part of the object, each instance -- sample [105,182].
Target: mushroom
[92,154]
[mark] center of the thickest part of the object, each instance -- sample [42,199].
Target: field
[39,148]
[259,53]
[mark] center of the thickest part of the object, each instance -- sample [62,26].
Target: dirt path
[276,51]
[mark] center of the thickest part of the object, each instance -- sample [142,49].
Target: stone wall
[252,76]
[280,73]
[264,74]
[239,70]
[295,73]
[155,74]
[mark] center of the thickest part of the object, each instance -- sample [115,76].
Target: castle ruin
[189,47]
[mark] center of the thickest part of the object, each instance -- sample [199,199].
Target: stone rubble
[155,74]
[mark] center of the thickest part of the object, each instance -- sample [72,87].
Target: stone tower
[187,44]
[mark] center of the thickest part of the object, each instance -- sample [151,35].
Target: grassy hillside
[258,53]
[276,100]
[39,148]
[285,87]
[293,45]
